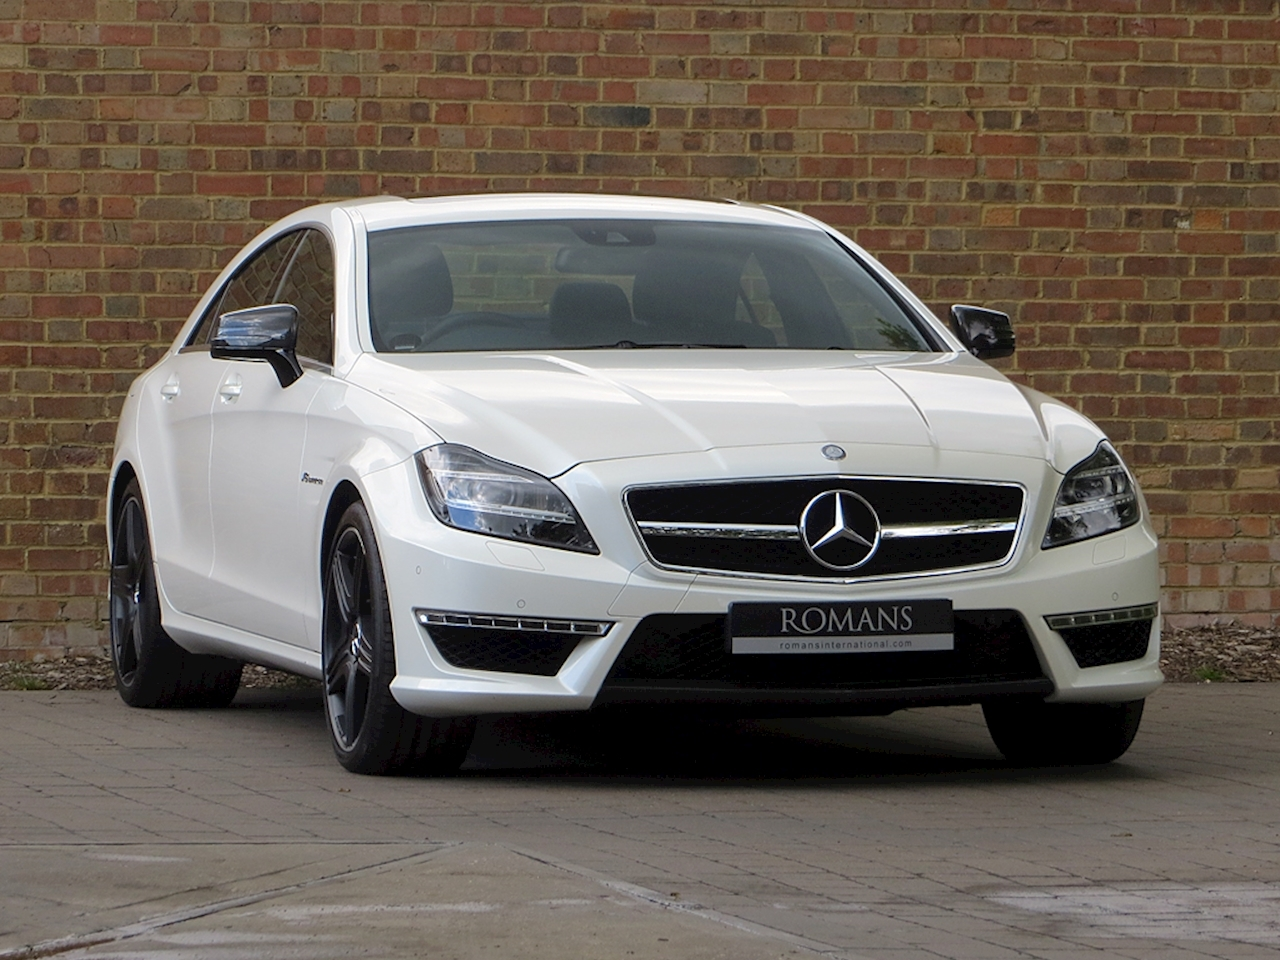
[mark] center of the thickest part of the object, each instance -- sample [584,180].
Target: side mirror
[987,334]
[267,333]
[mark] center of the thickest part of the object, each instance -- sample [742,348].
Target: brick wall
[1108,171]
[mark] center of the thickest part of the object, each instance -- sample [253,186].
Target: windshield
[582,284]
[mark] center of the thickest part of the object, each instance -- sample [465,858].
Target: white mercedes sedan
[480,455]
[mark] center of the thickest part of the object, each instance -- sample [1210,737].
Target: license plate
[890,626]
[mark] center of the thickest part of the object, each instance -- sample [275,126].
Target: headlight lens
[467,490]
[1097,496]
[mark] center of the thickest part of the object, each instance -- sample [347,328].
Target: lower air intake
[1100,644]
[535,646]
[506,651]
[689,650]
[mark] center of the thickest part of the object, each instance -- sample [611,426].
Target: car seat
[590,314]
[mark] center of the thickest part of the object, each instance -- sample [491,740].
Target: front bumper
[431,567]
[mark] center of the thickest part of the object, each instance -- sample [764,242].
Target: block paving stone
[234,833]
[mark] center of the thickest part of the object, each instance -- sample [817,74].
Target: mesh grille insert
[507,651]
[1103,643]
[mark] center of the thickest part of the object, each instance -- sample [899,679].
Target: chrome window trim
[1018,527]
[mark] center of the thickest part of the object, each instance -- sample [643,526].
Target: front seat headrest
[584,313]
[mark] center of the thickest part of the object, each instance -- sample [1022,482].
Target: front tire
[1031,732]
[150,669]
[370,731]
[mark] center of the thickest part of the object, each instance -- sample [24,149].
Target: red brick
[976,152]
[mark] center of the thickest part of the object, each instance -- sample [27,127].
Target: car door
[262,547]
[185,390]
[176,474]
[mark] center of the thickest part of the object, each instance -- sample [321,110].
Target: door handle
[171,388]
[231,388]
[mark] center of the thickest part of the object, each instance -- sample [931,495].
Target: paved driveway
[234,834]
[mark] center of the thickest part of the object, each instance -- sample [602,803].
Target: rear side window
[254,285]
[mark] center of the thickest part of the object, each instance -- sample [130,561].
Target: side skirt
[197,635]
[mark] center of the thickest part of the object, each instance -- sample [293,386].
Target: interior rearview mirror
[988,334]
[267,333]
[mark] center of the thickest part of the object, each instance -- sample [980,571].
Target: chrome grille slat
[747,531]
[721,531]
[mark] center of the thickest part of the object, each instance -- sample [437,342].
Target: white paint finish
[514,555]
[263,558]
[551,411]
[393,212]
[1108,551]
[597,422]
[173,414]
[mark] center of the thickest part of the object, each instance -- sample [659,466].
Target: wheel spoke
[126,637]
[357,581]
[363,653]
[346,584]
[349,704]
[335,674]
[134,535]
[341,597]
[135,636]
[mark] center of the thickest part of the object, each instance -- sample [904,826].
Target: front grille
[753,527]
[1096,645]
[690,651]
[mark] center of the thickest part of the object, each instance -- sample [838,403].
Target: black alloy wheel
[370,731]
[150,669]
[131,592]
[348,655]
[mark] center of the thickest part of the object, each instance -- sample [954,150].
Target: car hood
[549,412]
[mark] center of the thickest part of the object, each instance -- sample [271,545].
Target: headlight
[1097,496]
[470,491]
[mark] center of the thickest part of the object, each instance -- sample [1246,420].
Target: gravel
[1220,653]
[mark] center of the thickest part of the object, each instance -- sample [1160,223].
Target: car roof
[385,213]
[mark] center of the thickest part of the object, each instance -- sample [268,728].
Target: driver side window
[309,286]
[254,285]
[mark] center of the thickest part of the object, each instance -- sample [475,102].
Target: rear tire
[1034,733]
[370,731]
[150,669]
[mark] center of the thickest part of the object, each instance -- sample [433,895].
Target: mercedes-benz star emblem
[840,529]
[833,452]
